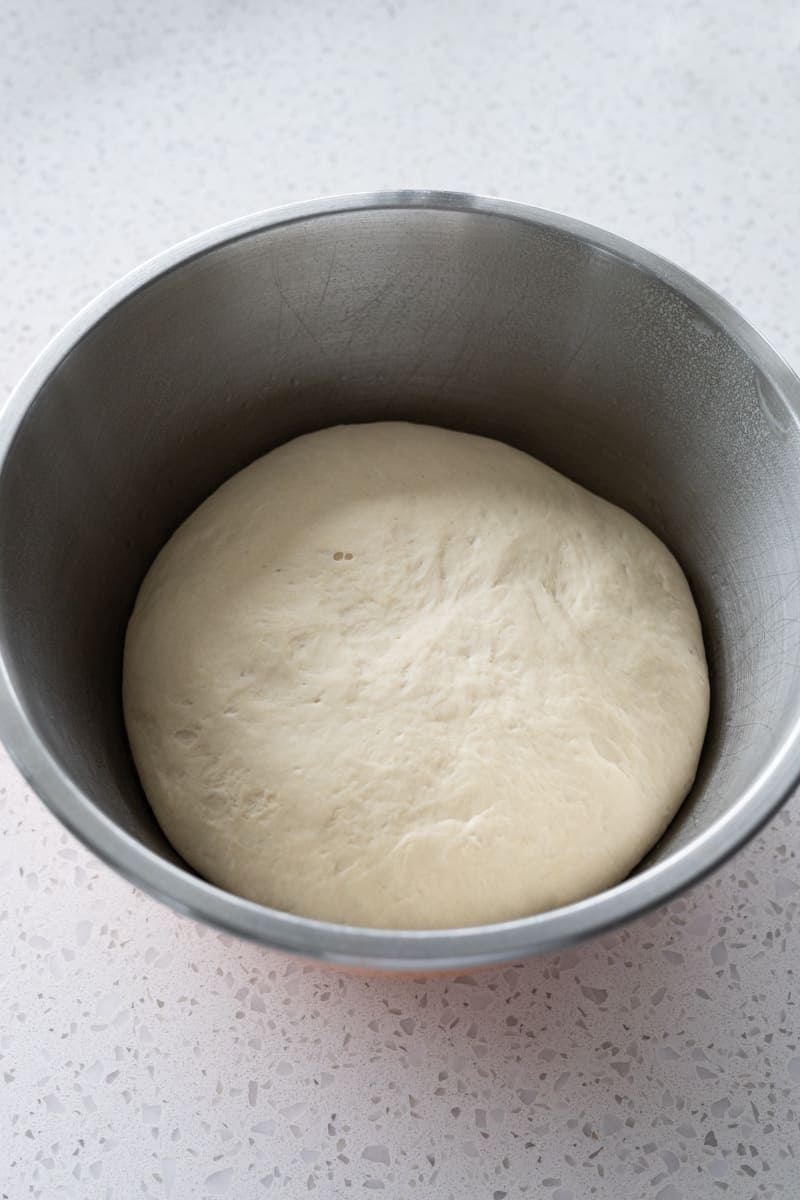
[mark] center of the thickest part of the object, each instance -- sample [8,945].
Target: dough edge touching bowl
[78,488]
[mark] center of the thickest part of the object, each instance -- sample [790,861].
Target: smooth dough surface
[396,676]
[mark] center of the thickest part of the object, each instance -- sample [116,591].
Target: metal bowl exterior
[603,359]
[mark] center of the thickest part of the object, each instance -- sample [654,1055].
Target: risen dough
[396,676]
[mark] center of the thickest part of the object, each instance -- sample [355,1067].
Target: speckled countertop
[142,1055]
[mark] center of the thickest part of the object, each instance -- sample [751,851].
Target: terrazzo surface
[143,1055]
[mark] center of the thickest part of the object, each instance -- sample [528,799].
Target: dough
[396,676]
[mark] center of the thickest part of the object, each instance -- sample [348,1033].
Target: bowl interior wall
[484,324]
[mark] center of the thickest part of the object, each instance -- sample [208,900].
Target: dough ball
[390,675]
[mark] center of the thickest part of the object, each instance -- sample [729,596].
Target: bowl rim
[381,949]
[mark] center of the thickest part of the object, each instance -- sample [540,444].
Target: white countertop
[142,1055]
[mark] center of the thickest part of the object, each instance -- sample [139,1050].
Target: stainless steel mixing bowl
[607,362]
